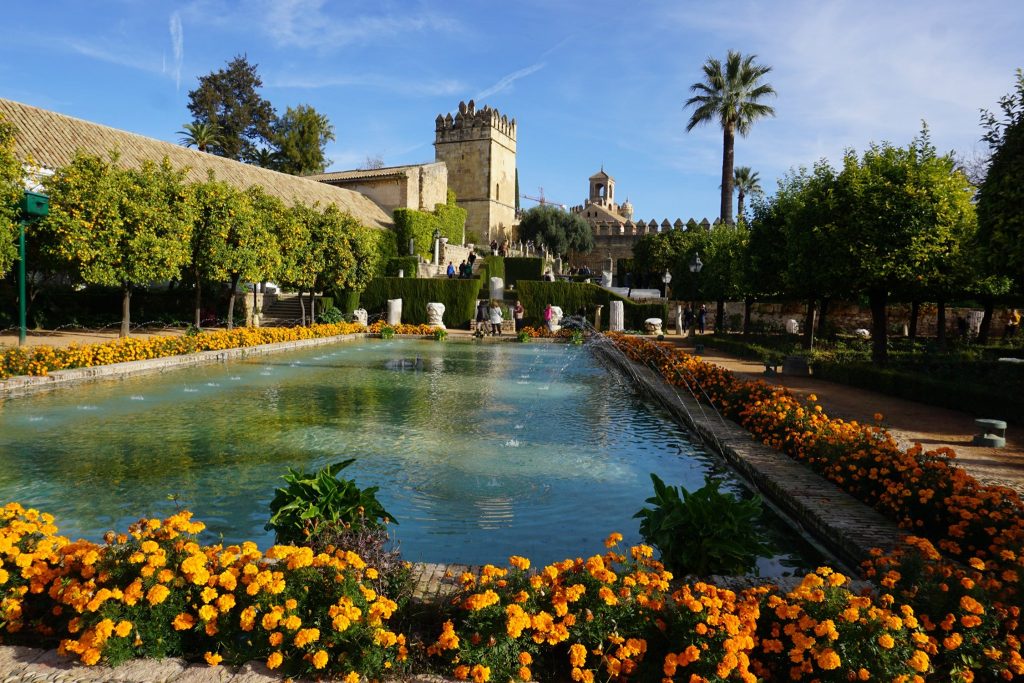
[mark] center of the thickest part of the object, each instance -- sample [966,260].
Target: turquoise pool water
[480,451]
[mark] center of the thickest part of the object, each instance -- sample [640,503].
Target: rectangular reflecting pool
[480,450]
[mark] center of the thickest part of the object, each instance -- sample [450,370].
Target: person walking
[702,318]
[451,270]
[472,260]
[496,320]
[517,314]
[688,318]
[481,316]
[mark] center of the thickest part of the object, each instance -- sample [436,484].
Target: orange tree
[10,194]
[119,227]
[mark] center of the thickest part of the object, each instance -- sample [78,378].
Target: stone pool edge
[845,526]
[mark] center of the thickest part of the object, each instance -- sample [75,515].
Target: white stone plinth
[653,326]
[555,324]
[394,316]
[435,315]
[359,316]
[497,288]
[617,317]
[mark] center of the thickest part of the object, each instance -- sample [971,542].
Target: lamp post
[437,247]
[666,278]
[695,265]
[33,205]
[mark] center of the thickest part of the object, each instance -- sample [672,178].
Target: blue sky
[589,83]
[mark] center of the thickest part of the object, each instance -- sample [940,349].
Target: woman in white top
[495,314]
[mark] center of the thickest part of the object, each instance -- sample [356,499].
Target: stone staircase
[285,311]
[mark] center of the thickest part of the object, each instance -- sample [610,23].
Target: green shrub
[458,296]
[408,264]
[310,500]
[440,334]
[523,337]
[704,532]
[523,268]
[347,300]
[573,297]
[387,332]
[330,316]
[493,266]
[448,219]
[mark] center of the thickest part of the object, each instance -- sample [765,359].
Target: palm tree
[747,182]
[266,158]
[731,97]
[199,135]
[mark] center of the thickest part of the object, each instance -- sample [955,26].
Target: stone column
[617,317]
[558,265]
[597,317]
[435,315]
[394,316]
[679,319]
[497,288]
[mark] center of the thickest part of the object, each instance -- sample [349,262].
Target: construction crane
[542,200]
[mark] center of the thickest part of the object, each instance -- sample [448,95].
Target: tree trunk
[940,324]
[302,307]
[986,320]
[748,306]
[879,299]
[808,340]
[312,307]
[199,301]
[231,301]
[739,206]
[126,309]
[915,313]
[728,143]
[823,314]
[720,316]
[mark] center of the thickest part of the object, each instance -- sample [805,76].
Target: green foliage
[491,266]
[522,268]
[458,296]
[300,135]
[576,338]
[407,264]
[310,500]
[387,332]
[559,231]
[10,196]
[199,135]
[347,300]
[330,315]
[448,219]
[704,532]
[523,337]
[575,296]
[228,99]
[1000,219]
[440,334]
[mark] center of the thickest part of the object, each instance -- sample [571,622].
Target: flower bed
[41,360]
[979,528]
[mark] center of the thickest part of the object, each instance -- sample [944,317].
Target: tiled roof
[359,174]
[51,139]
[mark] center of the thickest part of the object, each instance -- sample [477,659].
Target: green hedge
[347,300]
[409,264]
[493,266]
[523,268]
[976,398]
[458,296]
[448,218]
[572,297]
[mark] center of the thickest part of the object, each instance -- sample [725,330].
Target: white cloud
[402,86]
[507,80]
[178,46]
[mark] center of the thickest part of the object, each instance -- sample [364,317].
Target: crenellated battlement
[631,229]
[471,123]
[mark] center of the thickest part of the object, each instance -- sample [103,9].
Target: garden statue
[606,278]
[616,317]
[497,288]
[435,315]
[554,324]
[653,326]
[359,316]
[792,326]
[679,319]
[394,316]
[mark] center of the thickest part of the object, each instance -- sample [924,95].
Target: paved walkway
[909,422]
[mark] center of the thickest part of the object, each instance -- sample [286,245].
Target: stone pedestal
[359,316]
[497,288]
[394,316]
[555,324]
[653,326]
[616,316]
[597,317]
[435,315]
[679,319]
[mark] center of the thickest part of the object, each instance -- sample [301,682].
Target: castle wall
[433,186]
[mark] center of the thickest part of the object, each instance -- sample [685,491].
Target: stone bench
[993,433]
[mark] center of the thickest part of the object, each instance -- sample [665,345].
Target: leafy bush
[493,266]
[575,296]
[310,500]
[330,316]
[440,334]
[407,264]
[387,332]
[523,336]
[523,268]
[419,226]
[704,532]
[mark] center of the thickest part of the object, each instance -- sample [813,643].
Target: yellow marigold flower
[524,673]
[183,622]
[305,636]
[827,659]
[613,540]
[352,677]
[208,613]
[919,661]
[480,673]
[276,638]
[320,659]
[274,660]
[123,628]
[292,623]
[525,658]
[208,594]
[886,641]
[157,594]
[518,562]
[577,655]
[212,659]
[225,602]
[461,672]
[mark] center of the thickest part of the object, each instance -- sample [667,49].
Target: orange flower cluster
[614,617]
[156,592]
[41,360]
[544,332]
[923,491]
[402,328]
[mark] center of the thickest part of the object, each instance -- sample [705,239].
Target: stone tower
[479,148]
[602,189]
